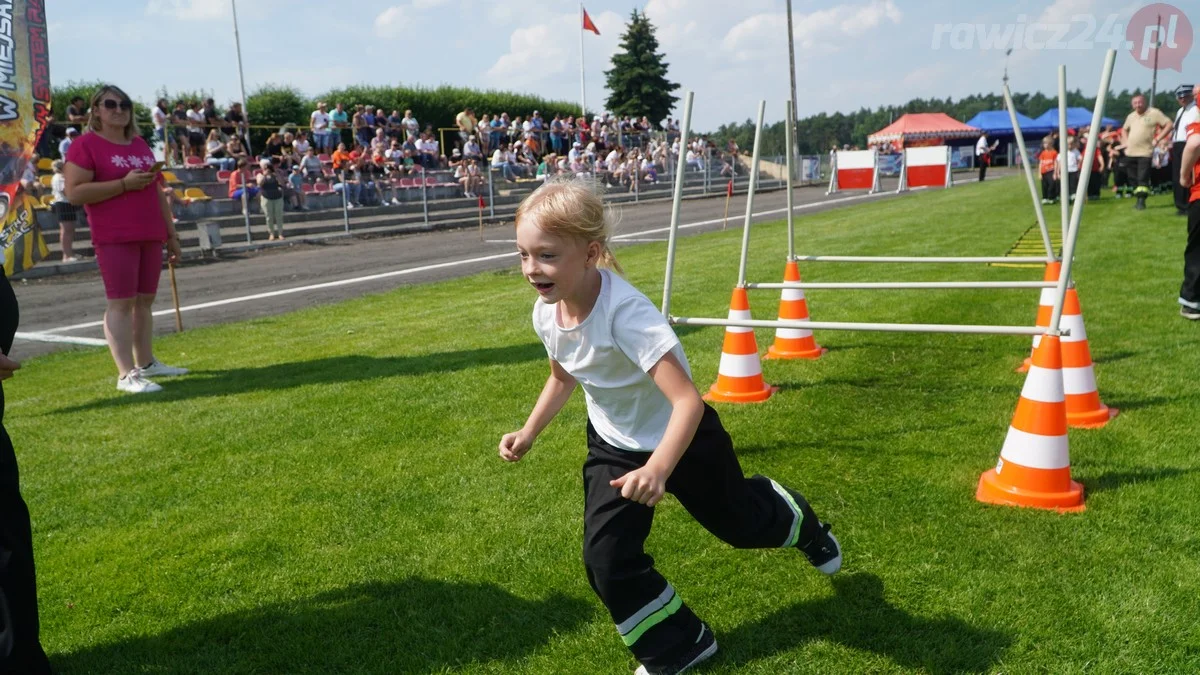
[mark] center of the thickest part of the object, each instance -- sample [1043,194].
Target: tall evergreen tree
[637,83]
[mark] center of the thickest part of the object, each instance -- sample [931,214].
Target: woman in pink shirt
[110,171]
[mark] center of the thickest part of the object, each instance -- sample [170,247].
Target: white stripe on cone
[739,315]
[1035,451]
[1073,323]
[1043,384]
[1079,380]
[793,333]
[792,294]
[739,365]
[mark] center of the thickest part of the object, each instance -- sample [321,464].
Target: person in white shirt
[983,154]
[1188,113]
[323,136]
[195,130]
[410,123]
[161,118]
[648,431]
[63,209]
[1074,159]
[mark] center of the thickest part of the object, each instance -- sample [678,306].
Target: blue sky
[857,53]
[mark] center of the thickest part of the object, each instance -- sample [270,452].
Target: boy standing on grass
[1189,177]
[648,431]
[1048,164]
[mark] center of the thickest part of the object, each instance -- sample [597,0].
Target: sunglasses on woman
[110,104]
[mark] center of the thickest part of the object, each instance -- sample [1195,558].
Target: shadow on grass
[1118,479]
[1113,357]
[1138,404]
[859,617]
[331,370]
[414,625]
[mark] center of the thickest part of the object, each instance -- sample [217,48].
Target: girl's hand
[137,180]
[644,486]
[7,366]
[513,446]
[174,252]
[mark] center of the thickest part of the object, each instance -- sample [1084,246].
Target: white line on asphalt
[427,268]
[66,339]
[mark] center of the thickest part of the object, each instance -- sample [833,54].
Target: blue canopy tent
[997,123]
[1076,117]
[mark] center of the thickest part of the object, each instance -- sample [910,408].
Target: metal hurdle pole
[675,203]
[791,228]
[1064,188]
[871,327]
[1033,192]
[922,259]
[1085,172]
[762,108]
[904,285]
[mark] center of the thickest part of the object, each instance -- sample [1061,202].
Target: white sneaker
[395,202]
[135,382]
[349,207]
[159,369]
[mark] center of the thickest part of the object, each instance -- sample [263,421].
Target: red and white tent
[921,129]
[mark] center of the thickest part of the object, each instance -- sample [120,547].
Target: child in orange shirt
[1048,164]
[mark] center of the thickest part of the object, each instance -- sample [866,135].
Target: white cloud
[392,22]
[188,10]
[539,52]
[427,4]
[762,35]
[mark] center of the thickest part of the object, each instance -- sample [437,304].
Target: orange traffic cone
[1084,409]
[793,343]
[1035,466]
[739,377]
[1045,309]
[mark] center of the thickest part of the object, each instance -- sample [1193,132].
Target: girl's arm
[647,484]
[554,396]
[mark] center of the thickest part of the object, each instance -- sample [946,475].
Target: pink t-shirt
[132,216]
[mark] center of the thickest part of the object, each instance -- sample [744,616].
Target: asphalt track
[282,279]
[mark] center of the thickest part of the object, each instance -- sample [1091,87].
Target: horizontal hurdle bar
[876,327]
[904,285]
[917,259]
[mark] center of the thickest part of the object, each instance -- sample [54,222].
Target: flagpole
[237,41]
[582,86]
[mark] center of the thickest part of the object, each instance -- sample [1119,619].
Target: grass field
[323,493]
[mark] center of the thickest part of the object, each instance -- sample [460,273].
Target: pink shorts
[129,269]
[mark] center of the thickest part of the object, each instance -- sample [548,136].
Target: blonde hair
[56,166]
[131,129]
[570,207]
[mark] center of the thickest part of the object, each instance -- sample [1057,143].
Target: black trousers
[1139,174]
[1181,193]
[983,165]
[20,650]
[1050,186]
[1189,291]
[1095,182]
[744,512]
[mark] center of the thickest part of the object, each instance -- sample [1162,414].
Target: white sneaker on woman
[157,368]
[135,382]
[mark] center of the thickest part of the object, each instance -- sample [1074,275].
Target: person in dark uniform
[20,650]
[1188,114]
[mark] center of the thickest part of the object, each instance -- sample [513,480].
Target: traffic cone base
[774,352]
[1093,419]
[992,490]
[739,376]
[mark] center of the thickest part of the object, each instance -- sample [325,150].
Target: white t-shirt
[160,118]
[411,124]
[1189,115]
[981,146]
[300,147]
[58,187]
[319,121]
[1073,157]
[609,354]
[195,119]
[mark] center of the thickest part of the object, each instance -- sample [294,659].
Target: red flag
[729,189]
[587,23]
[481,204]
